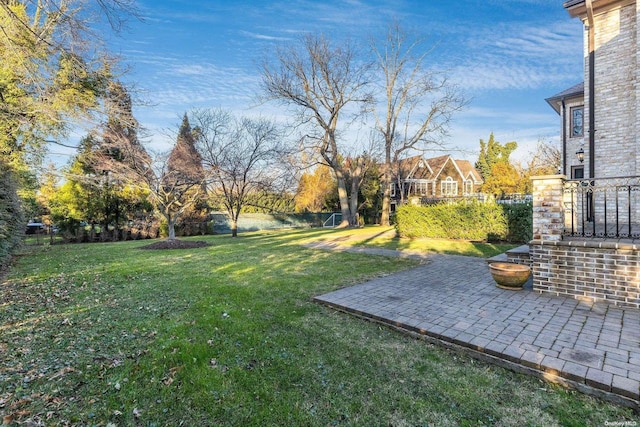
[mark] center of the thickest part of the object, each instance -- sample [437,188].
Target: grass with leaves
[110,335]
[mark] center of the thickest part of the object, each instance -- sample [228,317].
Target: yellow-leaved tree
[315,189]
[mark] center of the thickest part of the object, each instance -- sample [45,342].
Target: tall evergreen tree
[52,72]
[120,131]
[495,167]
[52,69]
[12,221]
[493,152]
[180,184]
[185,163]
[98,174]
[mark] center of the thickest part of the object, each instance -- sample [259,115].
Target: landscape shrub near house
[519,222]
[467,220]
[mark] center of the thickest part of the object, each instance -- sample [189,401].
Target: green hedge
[519,222]
[12,222]
[466,220]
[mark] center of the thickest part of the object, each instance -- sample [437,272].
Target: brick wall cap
[595,244]
[541,177]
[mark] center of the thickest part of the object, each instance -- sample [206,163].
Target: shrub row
[12,222]
[519,222]
[467,220]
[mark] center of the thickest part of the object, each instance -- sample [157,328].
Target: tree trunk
[234,227]
[171,222]
[386,195]
[353,200]
[343,197]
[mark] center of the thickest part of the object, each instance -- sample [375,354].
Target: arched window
[449,187]
[468,187]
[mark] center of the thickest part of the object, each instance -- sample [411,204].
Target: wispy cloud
[203,54]
[264,36]
[521,57]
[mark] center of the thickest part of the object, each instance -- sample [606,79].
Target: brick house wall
[596,269]
[615,91]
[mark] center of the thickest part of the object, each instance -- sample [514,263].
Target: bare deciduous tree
[545,160]
[418,103]
[242,158]
[324,84]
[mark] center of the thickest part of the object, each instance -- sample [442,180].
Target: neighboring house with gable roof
[419,180]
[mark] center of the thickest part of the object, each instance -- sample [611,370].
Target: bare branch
[243,159]
[418,103]
[322,83]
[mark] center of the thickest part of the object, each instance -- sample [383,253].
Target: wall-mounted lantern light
[580,154]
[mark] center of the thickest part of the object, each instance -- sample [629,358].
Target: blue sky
[507,56]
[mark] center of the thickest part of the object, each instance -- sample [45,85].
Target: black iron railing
[602,207]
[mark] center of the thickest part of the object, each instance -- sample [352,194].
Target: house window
[449,187]
[577,172]
[468,187]
[577,122]
[392,191]
[421,188]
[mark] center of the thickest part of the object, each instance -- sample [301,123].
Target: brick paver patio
[593,347]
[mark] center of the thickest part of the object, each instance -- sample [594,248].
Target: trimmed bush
[466,220]
[519,221]
[12,222]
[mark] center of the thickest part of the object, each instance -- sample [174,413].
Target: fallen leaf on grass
[137,413]
[62,372]
[170,377]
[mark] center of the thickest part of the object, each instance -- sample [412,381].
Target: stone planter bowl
[509,275]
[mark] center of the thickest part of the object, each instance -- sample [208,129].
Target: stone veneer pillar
[548,215]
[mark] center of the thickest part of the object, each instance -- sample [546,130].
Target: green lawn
[385,237]
[109,334]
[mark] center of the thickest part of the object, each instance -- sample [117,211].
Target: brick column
[548,212]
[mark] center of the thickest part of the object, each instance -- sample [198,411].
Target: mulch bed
[176,244]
